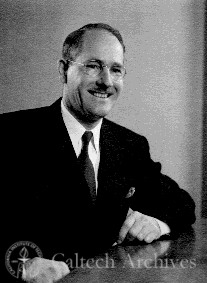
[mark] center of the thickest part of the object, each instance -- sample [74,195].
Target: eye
[116,70]
[92,66]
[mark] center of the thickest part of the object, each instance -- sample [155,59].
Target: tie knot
[86,137]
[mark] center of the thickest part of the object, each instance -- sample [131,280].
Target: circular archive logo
[17,254]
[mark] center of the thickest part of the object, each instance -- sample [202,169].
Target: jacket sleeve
[159,196]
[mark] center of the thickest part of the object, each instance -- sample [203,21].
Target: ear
[62,68]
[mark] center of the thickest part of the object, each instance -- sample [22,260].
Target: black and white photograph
[103,141]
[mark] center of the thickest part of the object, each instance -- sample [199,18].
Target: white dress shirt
[75,131]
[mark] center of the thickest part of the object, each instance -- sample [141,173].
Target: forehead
[102,45]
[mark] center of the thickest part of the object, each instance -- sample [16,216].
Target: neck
[88,125]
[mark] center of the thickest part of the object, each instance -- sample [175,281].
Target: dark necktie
[87,166]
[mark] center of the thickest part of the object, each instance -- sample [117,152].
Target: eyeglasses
[94,69]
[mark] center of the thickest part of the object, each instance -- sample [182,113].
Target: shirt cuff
[164,228]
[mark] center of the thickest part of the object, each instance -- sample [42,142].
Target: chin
[103,111]
[95,116]
[101,114]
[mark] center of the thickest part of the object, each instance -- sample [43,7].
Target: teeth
[100,95]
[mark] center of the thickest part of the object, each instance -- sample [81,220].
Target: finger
[128,223]
[146,230]
[142,234]
[143,228]
[151,237]
[149,234]
[128,237]
[137,227]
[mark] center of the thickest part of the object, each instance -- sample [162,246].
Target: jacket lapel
[113,181]
[65,153]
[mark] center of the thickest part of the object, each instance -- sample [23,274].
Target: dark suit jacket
[44,197]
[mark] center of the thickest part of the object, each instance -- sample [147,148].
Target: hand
[41,270]
[139,226]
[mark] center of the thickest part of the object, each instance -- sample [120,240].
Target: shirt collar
[76,130]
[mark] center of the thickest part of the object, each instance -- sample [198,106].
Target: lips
[102,95]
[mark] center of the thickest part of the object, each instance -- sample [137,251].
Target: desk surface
[180,260]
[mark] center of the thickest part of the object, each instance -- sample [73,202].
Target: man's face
[91,98]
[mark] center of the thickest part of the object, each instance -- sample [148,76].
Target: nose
[105,77]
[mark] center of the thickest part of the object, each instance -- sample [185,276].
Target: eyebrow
[101,62]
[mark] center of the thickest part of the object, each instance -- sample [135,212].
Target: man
[60,201]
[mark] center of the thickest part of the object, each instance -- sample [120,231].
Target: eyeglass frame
[102,65]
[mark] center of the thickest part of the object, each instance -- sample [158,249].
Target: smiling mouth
[100,94]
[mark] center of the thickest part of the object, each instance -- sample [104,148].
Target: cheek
[75,87]
[119,87]
[84,85]
[73,79]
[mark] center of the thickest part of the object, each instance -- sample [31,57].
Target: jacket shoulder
[123,133]
[25,118]
[22,114]
[35,116]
